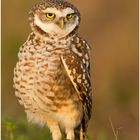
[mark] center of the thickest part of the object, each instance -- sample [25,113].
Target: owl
[52,75]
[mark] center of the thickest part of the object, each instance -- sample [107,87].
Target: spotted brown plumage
[76,64]
[52,75]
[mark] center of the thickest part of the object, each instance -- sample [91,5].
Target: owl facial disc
[57,22]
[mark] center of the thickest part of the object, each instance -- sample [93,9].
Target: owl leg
[54,128]
[70,134]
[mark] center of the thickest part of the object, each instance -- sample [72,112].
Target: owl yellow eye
[69,16]
[50,15]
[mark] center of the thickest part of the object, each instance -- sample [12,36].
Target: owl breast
[41,84]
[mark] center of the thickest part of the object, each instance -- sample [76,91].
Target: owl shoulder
[25,46]
[81,47]
[30,37]
[82,44]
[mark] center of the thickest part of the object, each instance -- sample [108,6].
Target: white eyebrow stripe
[59,13]
[68,10]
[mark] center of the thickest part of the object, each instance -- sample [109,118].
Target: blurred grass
[20,129]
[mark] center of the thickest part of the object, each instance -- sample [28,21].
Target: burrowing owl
[51,77]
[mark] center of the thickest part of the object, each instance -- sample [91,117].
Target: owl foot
[70,134]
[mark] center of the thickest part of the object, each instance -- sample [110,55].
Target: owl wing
[76,64]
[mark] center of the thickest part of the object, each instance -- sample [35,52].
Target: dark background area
[111,28]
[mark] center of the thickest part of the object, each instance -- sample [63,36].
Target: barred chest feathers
[40,83]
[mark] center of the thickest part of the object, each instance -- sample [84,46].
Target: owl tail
[79,133]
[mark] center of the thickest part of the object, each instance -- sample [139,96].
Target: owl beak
[61,23]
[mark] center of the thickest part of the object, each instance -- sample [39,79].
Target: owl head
[55,18]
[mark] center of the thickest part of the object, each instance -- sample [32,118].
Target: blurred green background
[111,27]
